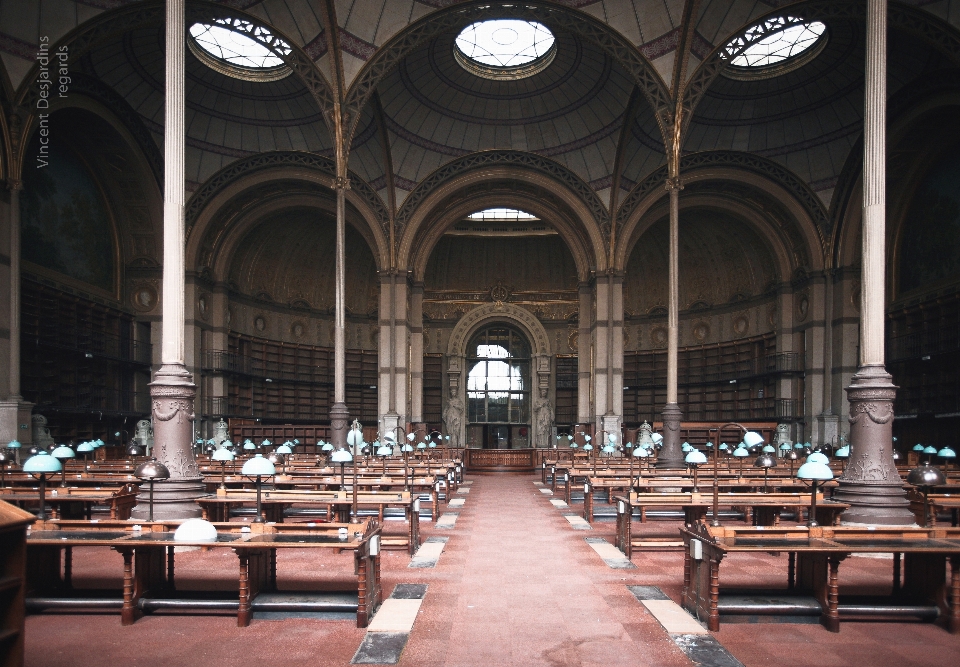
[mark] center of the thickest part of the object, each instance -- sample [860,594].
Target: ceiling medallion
[505,49]
[499,293]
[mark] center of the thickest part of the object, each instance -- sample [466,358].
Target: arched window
[498,380]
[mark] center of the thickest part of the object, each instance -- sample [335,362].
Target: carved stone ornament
[144,297]
[173,393]
[498,311]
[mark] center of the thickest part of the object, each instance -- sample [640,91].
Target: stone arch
[473,188]
[797,242]
[613,44]
[267,179]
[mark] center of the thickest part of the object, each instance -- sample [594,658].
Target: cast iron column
[671,456]
[339,415]
[172,390]
[871,483]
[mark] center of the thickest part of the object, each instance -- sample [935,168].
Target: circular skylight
[240,49]
[774,47]
[505,48]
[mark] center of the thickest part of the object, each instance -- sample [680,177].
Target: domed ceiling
[722,260]
[288,258]
[434,111]
[226,118]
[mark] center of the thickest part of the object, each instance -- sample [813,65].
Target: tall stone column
[15,413]
[584,365]
[416,353]
[393,351]
[871,483]
[608,349]
[172,390]
[671,455]
[339,414]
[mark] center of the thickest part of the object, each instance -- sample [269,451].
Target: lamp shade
[573,445]
[98,443]
[249,446]
[765,460]
[223,454]
[784,446]
[817,457]
[686,446]
[150,470]
[640,452]
[431,444]
[134,450]
[407,447]
[752,439]
[84,447]
[341,456]
[411,436]
[925,475]
[588,446]
[354,438]
[265,443]
[63,452]
[814,471]
[612,438]
[769,449]
[390,435]
[930,449]
[798,445]
[327,447]
[657,438]
[421,445]
[609,449]
[284,449]
[947,453]
[843,452]
[792,455]
[741,451]
[918,447]
[14,444]
[384,450]
[258,466]
[724,447]
[695,457]
[41,463]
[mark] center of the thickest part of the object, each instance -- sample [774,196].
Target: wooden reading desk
[148,566]
[814,557]
[337,504]
[76,503]
[766,509]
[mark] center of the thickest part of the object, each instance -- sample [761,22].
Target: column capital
[341,183]
[673,184]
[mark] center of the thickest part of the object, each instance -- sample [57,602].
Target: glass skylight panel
[240,49]
[774,41]
[505,42]
[501,214]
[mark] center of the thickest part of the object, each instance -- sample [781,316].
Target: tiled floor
[516,585]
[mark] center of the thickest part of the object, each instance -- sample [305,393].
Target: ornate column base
[871,483]
[390,422]
[15,414]
[173,392]
[671,455]
[339,417]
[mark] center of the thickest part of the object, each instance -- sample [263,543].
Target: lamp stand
[223,475]
[151,501]
[42,514]
[259,518]
[812,519]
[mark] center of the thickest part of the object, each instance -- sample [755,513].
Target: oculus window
[505,48]
[498,380]
[501,214]
[240,49]
[774,47]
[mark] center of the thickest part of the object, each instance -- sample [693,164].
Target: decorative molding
[457,345]
[747,161]
[504,157]
[234,171]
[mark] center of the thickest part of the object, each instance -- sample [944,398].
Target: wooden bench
[764,507]
[812,565]
[148,562]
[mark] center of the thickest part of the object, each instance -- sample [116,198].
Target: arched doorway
[498,388]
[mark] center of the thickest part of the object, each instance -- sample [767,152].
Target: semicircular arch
[498,312]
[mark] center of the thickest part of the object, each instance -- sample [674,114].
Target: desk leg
[129,612]
[831,617]
[896,572]
[954,621]
[436,505]
[68,567]
[791,570]
[171,565]
[588,505]
[245,611]
[713,619]
[273,569]
[365,591]
[686,574]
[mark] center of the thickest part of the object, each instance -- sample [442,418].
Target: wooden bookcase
[433,388]
[732,381]
[13,563]
[568,374]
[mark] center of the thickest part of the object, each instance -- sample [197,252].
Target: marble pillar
[871,483]
[583,350]
[172,391]
[671,455]
[416,352]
